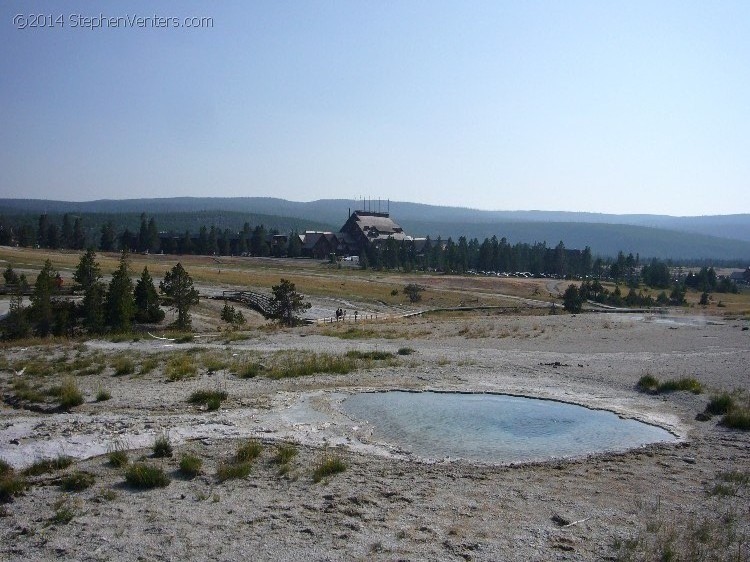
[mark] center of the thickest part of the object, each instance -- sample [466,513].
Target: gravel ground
[388,504]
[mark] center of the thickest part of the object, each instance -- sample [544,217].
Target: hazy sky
[598,106]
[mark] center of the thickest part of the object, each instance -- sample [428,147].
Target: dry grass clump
[24,391]
[48,465]
[233,470]
[11,484]
[180,367]
[210,398]
[144,476]
[327,466]
[122,365]
[148,364]
[162,446]
[213,362]
[190,465]
[77,481]
[649,383]
[310,364]
[240,465]
[69,394]
[117,455]
[247,369]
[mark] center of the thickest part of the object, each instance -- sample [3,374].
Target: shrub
[103,395]
[720,404]
[144,476]
[77,481]
[5,468]
[70,394]
[248,452]
[328,466]
[405,351]
[47,465]
[162,446]
[190,465]
[180,367]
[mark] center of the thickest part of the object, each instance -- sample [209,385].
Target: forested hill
[720,237]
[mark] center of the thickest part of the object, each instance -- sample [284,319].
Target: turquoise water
[495,428]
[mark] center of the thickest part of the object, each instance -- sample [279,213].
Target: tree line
[464,255]
[112,307]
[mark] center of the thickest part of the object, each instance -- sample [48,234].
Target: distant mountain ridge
[721,237]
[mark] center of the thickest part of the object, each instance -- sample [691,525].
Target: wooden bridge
[256,301]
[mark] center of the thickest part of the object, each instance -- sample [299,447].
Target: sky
[612,107]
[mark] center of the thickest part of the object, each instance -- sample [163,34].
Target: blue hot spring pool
[495,427]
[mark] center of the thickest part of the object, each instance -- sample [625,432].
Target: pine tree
[41,301]
[120,301]
[147,299]
[87,272]
[178,285]
[287,303]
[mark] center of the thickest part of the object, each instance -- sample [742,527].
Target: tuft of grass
[47,465]
[122,365]
[118,459]
[103,395]
[25,392]
[63,515]
[70,395]
[720,404]
[406,351]
[207,397]
[371,355]
[190,465]
[180,367]
[247,369]
[310,364]
[162,446]
[248,452]
[148,365]
[328,466]
[284,454]
[231,470]
[213,362]
[144,476]
[737,418]
[689,384]
[77,481]
[648,383]
[11,486]
[117,455]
